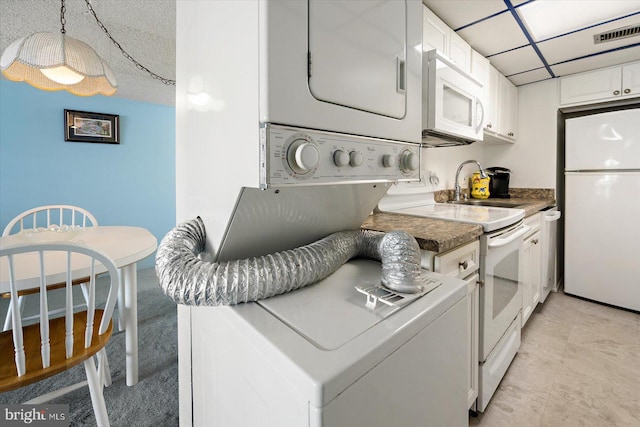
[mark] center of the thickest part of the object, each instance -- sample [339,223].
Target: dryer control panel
[293,156]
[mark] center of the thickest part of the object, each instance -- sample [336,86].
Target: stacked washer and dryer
[293,119]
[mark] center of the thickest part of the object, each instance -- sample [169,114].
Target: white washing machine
[319,357]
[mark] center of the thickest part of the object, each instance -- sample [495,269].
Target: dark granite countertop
[432,234]
[439,235]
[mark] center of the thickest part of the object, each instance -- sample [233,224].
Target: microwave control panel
[293,156]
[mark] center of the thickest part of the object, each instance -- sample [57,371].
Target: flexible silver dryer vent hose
[187,279]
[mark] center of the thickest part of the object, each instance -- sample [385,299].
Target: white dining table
[124,245]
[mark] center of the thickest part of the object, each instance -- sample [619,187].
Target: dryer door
[358,54]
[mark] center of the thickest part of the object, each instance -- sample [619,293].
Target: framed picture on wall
[82,126]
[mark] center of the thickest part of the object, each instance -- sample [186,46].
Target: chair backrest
[51,215]
[76,260]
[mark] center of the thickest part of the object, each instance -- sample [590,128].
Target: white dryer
[319,357]
[344,66]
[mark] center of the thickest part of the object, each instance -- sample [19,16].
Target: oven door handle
[502,241]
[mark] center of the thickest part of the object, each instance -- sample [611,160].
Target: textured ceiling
[144,28]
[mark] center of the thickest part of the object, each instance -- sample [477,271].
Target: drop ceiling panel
[516,61]
[530,77]
[494,35]
[594,62]
[457,13]
[580,44]
[552,18]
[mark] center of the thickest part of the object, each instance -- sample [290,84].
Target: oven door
[501,294]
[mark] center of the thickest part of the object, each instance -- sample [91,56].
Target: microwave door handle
[502,241]
[481,121]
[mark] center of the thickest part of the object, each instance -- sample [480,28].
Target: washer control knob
[340,158]
[355,158]
[303,156]
[388,161]
[409,161]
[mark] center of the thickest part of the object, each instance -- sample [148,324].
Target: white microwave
[452,109]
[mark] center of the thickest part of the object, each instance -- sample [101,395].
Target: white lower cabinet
[531,267]
[463,263]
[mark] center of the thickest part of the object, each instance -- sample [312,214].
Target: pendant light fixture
[58,62]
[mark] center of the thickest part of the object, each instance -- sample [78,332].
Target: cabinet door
[357,54]
[460,52]
[508,108]
[591,86]
[631,79]
[491,106]
[435,33]
[531,275]
[472,333]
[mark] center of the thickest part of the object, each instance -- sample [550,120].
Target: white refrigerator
[602,208]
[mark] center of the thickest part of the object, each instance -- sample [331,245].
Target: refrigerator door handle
[554,216]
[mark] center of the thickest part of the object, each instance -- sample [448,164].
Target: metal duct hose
[187,279]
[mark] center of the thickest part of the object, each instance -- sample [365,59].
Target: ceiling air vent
[617,34]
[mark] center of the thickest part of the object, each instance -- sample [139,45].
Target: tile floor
[578,365]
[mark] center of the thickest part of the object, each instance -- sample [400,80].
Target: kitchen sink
[491,203]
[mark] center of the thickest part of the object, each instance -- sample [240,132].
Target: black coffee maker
[499,182]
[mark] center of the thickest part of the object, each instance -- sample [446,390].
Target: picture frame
[84,126]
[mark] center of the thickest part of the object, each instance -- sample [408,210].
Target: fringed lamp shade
[57,62]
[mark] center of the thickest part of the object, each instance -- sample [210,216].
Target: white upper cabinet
[601,85]
[502,109]
[460,52]
[480,68]
[508,109]
[437,35]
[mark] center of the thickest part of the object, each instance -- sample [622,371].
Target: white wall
[532,159]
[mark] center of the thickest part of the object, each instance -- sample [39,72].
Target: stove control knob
[355,158]
[340,158]
[409,161]
[303,156]
[388,161]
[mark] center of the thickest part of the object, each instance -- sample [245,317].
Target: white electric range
[500,295]
[422,204]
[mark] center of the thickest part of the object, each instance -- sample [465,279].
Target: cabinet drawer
[459,262]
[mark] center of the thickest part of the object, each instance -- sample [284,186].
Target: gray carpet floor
[151,402]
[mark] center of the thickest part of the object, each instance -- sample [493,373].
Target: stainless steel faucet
[456,188]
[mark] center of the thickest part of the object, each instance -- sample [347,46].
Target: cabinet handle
[464,264]
[510,133]
[481,283]
[627,91]
[616,92]
[535,241]
[489,125]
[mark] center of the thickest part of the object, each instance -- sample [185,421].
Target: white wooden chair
[32,353]
[43,218]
